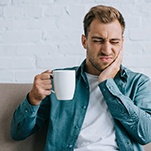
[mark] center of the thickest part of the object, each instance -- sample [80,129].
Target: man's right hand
[41,87]
[112,69]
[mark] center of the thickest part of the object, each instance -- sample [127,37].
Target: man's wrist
[31,99]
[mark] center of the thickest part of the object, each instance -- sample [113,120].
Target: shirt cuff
[27,109]
[109,87]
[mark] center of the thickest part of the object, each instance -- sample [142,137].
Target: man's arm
[34,110]
[134,115]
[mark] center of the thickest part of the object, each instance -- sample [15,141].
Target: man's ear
[122,41]
[122,38]
[84,41]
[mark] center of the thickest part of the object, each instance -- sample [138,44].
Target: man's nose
[106,48]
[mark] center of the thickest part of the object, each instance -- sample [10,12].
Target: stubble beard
[98,66]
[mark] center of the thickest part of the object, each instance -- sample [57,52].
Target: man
[111,108]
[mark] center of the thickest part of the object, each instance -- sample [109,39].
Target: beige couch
[10,96]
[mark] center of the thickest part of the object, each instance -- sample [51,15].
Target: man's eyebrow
[118,39]
[95,37]
[98,38]
[101,38]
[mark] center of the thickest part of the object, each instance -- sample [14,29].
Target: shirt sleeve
[27,119]
[134,115]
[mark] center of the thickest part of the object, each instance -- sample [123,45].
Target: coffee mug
[64,84]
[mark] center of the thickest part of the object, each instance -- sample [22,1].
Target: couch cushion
[147,147]
[10,97]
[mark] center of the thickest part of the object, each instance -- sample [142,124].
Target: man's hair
[106,14]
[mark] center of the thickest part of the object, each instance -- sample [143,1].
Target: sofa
[10,97]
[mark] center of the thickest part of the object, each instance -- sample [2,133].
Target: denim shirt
[128,97]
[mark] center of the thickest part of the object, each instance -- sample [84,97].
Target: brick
[137,61]
[57,62]
[13,63]
[69,19]
[63,36]
[41,24]
[140,34]
[20,37]
[5,24]
[32,12]
[33,2]
[53,11]
[1,12]
[148,1]
[133,47]
[7,50]
[7,76]
[26,76]
[4,2]
[36,49]
[133,21]
[147,48]
[146,8]
[146,22]
[65,2]
[72,49]
[14,12]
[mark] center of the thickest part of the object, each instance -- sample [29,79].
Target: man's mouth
[105,58]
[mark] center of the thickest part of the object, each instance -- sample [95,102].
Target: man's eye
[115,42]
[98,41]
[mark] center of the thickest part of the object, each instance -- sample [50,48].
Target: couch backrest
[10,97]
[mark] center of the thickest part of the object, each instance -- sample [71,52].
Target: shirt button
[87,86]
[110,87]
[76,127]
[84,107]
[70,146]
[123,84]
[104,89]
[26,110]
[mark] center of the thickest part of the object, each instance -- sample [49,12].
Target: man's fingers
[46,75]
[47,71]
[47,85]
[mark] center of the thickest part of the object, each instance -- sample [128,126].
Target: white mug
[64,84]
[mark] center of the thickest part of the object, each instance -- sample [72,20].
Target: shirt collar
[80,71]
[122,73]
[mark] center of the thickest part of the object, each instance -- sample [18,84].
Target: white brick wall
[36,35]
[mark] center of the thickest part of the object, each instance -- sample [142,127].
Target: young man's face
[103,44]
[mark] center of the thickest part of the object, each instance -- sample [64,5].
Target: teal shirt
[128,97]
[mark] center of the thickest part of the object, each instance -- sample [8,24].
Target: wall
[36,35]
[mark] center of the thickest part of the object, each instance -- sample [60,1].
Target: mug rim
[64,70]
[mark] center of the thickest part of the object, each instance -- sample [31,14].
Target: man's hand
[112,69]
[41,88]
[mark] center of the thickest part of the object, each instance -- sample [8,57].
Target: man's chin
[105,66]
